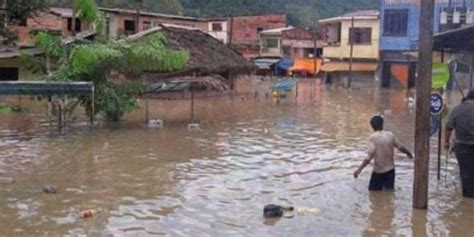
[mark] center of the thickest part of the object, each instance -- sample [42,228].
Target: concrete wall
[23,73]
[405,43]
[270,52]
[117,23]
[361,51]
[410,41]
[223,35]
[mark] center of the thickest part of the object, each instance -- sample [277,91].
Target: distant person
[461,121]
[381,149]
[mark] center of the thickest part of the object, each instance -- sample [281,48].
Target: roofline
[348,18]
[453,31]
[276,31]
[154,14]
[259,15]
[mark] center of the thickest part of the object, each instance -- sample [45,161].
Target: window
[360,35]
[395,22]
[8,74]
[129,26]
[217,27]
[272,43]
[146,25]
[333,33]
[78,25]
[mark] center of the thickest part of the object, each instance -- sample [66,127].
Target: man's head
[377,123]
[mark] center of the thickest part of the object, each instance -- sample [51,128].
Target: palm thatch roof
[207,55]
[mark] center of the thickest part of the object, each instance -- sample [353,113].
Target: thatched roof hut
[208,56]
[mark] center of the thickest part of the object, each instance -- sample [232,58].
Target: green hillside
[299,12]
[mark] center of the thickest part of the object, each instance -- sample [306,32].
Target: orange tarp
[344,67]
[306,65]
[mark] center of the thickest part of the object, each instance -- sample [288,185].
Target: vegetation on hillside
[162,6]
[299,12]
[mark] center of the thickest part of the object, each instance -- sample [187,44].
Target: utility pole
[73,20]
[351,59]
[137,17]
[231,30]
[423,94]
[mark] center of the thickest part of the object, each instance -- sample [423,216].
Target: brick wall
[245,31]
[44,21]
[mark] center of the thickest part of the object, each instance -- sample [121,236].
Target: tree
[95,61]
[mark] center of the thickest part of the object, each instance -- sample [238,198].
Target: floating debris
[155,123]
[49,189]
[87,214]
[194,127]
[4,180]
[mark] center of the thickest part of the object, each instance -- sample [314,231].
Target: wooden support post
[60,117]
[351,59]
[147,113]
[423,94]
[297,88]
[231,31]
[50,110]
[192,105]
[139,4]
[93,107]
[440,144]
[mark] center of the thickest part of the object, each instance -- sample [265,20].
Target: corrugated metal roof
[7,53]
[64,12]
[357,15]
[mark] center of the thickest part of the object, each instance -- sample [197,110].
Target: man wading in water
[461,121]
[381,149]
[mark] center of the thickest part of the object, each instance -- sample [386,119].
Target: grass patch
[6,109]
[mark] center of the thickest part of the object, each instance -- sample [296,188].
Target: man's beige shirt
[381,149]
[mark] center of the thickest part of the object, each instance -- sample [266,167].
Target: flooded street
[215,182]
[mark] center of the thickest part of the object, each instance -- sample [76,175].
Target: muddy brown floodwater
[215,182]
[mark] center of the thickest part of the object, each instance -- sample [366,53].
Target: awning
[265,63]
[284,64]
[306,65]
[344,67]
[455,40]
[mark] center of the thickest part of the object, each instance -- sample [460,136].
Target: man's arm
[370,156]
[402,148]
[361,167]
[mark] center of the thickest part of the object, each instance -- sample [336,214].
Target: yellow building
[359,30]
[365,27]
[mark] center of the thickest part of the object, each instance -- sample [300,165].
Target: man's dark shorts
[379,182]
